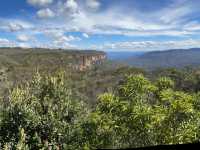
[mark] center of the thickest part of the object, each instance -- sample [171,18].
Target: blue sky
[110,25]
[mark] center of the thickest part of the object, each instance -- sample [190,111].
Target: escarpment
[45,58]
[87,61]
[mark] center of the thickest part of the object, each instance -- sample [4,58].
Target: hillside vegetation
[106,106]
[46,114]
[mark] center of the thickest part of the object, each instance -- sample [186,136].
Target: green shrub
[47,114]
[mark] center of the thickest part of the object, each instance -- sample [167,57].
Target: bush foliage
[46,114]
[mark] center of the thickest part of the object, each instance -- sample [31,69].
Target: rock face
[87,61]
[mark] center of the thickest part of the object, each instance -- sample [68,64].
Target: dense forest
[107,106]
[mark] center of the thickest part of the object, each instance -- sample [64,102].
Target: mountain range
[177,58]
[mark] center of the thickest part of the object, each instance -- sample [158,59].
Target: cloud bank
[141,24]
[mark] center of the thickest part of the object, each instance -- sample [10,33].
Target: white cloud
[60,39]
[113,21]
[39,2]
[93,4]
[23,45]
[65,38]
[76,16]
[24,38]
[45,13]
[85,35]
[174,14]
[4,40]
[6,43]
[55,45]
[59,35]
[151,45]
[192,26]
[71,5]
[73,14]
[13,25]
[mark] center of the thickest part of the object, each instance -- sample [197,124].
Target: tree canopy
[45,113]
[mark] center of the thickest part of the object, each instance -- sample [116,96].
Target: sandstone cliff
[87,61]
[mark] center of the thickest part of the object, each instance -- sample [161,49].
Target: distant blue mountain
[177,58]
[122,56]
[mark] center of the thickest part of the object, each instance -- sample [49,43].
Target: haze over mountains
[122,55]
[177,58]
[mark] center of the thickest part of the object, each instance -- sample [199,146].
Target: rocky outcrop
[87,61]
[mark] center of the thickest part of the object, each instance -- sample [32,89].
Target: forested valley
[107,106]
